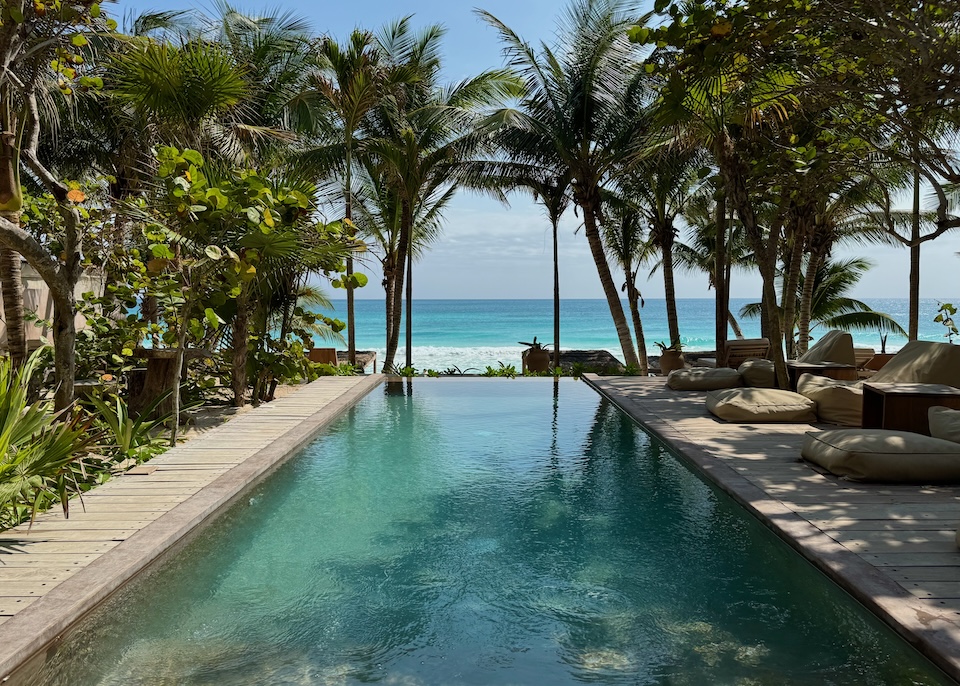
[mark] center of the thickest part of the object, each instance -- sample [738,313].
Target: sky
[491,251]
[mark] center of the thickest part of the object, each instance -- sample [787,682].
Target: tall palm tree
[580,105]
[424,137]
[351,80]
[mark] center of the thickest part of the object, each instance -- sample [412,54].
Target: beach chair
[741,350]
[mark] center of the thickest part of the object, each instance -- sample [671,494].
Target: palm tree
[580,109]
[832,308]
[424,137]
[351,80]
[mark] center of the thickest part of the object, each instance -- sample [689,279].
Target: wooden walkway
[892,547]
[56,571]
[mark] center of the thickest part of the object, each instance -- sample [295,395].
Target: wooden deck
[56,571]
[892,547]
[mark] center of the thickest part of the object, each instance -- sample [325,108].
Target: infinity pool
[486,532]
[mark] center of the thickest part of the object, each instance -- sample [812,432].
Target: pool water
[485,532]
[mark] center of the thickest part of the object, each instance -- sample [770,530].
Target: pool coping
[890,602]
[30,636]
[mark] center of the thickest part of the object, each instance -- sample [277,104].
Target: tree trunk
[806,301]
[11,284]
[721,284]
[178,377]
[348,215]
[590,207]
[737,331]
[667,237]
[794,264]
[913,328]
[393,334]
[241,338]
[409,320]
[633,300]
[64,350]
[735,173]
[556,296]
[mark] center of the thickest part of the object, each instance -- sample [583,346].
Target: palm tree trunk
[794,265]
[669,287]
[590,208]
[409,320]
[913,328]
[721,284]
[178,376]
[241,338]
[735,173]
[11,284]
[633,299]
[348,215]
[393,332]
[737,331]
[556,296]
[806,301]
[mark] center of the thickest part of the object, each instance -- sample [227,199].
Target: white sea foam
[469,360]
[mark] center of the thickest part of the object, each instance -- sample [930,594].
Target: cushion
[703,379]
[923,362]
[880,455]
[761,405]
[944,423]
[838,402]
[835,347]
[758,373]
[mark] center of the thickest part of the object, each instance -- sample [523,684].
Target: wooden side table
[831,370]
[903,406]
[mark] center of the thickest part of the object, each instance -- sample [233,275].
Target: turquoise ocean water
[477,333]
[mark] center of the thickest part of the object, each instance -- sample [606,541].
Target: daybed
[891,456]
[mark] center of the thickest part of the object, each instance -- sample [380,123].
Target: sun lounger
[741,350]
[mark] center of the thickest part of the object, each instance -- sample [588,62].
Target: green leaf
[213,252]
[212,319]
[95,11]
[360,279]
[193,157]
[16,14]
[79,40]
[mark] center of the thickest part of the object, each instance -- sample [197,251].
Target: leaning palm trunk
[633,298]
[806,301]
[11,283]
[735,325]
[606,281]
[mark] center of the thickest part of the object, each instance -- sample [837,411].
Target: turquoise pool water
[485,532]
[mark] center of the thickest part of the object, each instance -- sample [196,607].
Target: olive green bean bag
[758,373]
[881,455]
[761,405]
[837,402]
[703,379]
[944,423]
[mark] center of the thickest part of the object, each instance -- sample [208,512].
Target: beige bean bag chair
[917,362]
[758,374]
[837,402]
[835,347]
[761,405]
[703,379]
[944,423]
[879,455]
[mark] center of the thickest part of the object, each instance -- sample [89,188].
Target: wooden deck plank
[34,560]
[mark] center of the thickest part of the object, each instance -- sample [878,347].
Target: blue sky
[489,251]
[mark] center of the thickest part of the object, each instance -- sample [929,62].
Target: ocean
[474,334]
